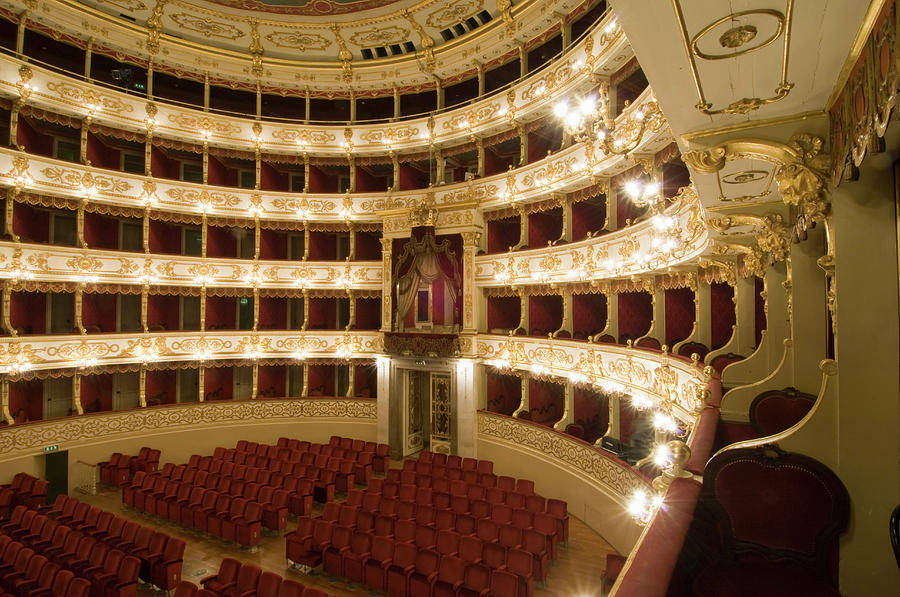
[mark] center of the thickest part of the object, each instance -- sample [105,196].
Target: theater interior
[449,298]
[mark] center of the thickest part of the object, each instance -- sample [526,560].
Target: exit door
[56,471]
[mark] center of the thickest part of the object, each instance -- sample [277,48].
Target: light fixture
[643,505]
[587,118]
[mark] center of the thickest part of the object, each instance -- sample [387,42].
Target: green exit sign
[420,363]
[52,448]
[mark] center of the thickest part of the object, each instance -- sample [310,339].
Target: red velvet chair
[290,588]
[519,562]
[476,581]
[503,583]
[423,576]
[58,588]
[333,554]
[780,516]
[224,578]
[402,565]
[451,573]
[245,582]
[165,567]
[776,410]
[360,549]
[376,564]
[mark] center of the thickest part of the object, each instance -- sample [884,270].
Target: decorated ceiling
[305,7]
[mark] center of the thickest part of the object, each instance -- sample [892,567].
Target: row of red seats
[466,503]
[79,526]
[425,527]
[405,569]
[25,490]
[361,463]
[454,461]
[328,474]
[26,557]
[119,469]
[247,580]
[170,501]
[234,519]
[51,581]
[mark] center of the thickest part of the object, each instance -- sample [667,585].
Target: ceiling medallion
[737,36]
[745,176]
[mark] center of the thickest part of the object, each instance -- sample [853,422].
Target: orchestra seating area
[74,549]
[120,468]
[443,525]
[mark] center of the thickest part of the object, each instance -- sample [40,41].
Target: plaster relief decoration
[453,12]
[132,5]
[206,26]
[801,172]
[594,464]
[383,36]
[723,45]
[86,97]
[297,40]
[113,425]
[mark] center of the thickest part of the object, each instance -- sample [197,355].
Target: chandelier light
[588,118]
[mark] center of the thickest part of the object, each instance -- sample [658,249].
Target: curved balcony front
[51,263]
[600,53]
[231,64]
[572,168]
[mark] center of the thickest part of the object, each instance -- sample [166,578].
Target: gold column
[258,100]
[10,214]
[145,231]
[352,161]
[439,165]
[396,102]
[480,78]
[387,288]
[304,391]
[306,110]
[525,402]
[203,308]
[150,78]
[258,164]
[305,243]
[439,89]
[148,154]
[395,160]
[142,387]
[201,383]
[7,322]
[255,308]
[83,140]
[523,59]
[4,401]
[254,391]
[20,32]
[612,430]
[77,407]
[352,106]
[87,57]
[479,146]
[79,320]
[79,224]
[203,236]
[351,380]
[352,255]
[568,415]
[205,161]
[351,321]
[470,302]
[257,236]
[14,123]
[306,157]
[523,144]
[305,310]
[206,91]
[145,299]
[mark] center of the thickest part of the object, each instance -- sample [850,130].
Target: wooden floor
[576,573]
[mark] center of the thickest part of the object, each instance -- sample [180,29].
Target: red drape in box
[544,314]
[218,383]
[26,400]
[28,312]
[680,313]
[98,313]
[589,314]
[365,379]
[96,392]
[160,387]
[321,380]
[423,261]
[722,313]
[504,393]
[635,315]
[32,225]
[272,381]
